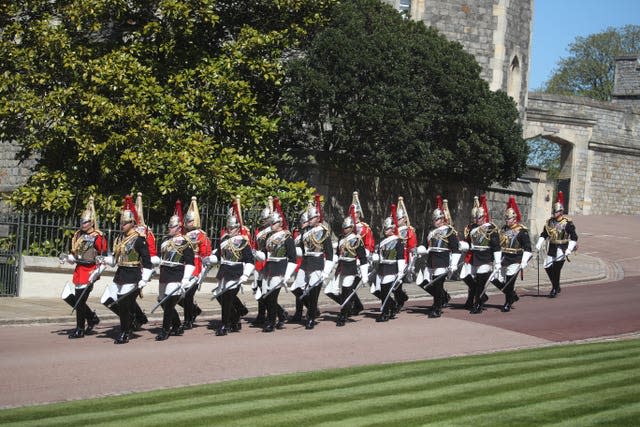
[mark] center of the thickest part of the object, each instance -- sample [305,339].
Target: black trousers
[188,303]
[230,314]
[553,271]
[170,318]
[480,280]
[390,305]
[312,301]
[126,311]
[271,303]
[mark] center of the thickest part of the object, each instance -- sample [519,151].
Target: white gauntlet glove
[71,259]
[291,267]
[570,248]
[497,260]
[526,256]
[326,272]
[364,273]
[155,260]
[540,243]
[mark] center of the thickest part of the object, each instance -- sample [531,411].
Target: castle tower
[496,32]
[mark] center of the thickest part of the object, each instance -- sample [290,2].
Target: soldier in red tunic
[88,243]
[408,235]
[201,248]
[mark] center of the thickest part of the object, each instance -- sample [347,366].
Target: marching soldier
[562,236]
[176,268]
[317,260]
[201,248]
[390,269]
[352,260]
[408,235]
[280,264]
[260,244]
[443,254]
[516,251]
[140,318]
[237,264]
[467,266]
[363,230]
[87,244]
[297,288]
[484,241]
[131,255]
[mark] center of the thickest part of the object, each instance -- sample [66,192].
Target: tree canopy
[385,95]
[171,98]
[589,69]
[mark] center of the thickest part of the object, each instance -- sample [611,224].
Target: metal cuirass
[124,252]
[261,238]
[84,247]
[172,249]
[387,249]
[557,230]
[348,245]
[314,238]
[509,238]
[439,237]
[481,235]
[193,237]
[275,244]
[232,247]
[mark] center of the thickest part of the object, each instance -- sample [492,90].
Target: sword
[135,289]
[166,297]
[308,288]
[352,294]
[486,284]
[278,286]
[86,290]
[395,285]
[219,290]
[424,287]
[81,296]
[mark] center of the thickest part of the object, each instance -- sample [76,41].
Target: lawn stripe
[246,397]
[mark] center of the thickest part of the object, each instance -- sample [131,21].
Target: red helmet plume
[512,210]
[129,205]
[278,208]
[319,207]
[439,202]
[483,206]
[394,215]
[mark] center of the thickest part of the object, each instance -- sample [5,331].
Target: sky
[556,24]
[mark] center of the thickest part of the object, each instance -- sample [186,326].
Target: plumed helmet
[437,214]
[388,223]
[128,213]
[479,213]
[476,205]
[265,217]
[312,212]
[89,214]
[401,213]
[232,222]
[139,209]
[510,214]
[174,221]
[193,214]
[355,200]
[347,222]
[127,216]
[304,218]
[275,218]
[558,206]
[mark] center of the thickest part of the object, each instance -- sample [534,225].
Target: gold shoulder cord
[120,243]
[351,249]
[318,242]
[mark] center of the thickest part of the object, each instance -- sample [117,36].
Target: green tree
[171,98]
[589,69]
[544,154]
[389,96]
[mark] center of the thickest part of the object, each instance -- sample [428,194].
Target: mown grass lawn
[579,385]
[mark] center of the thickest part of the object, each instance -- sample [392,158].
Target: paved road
[41,365]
